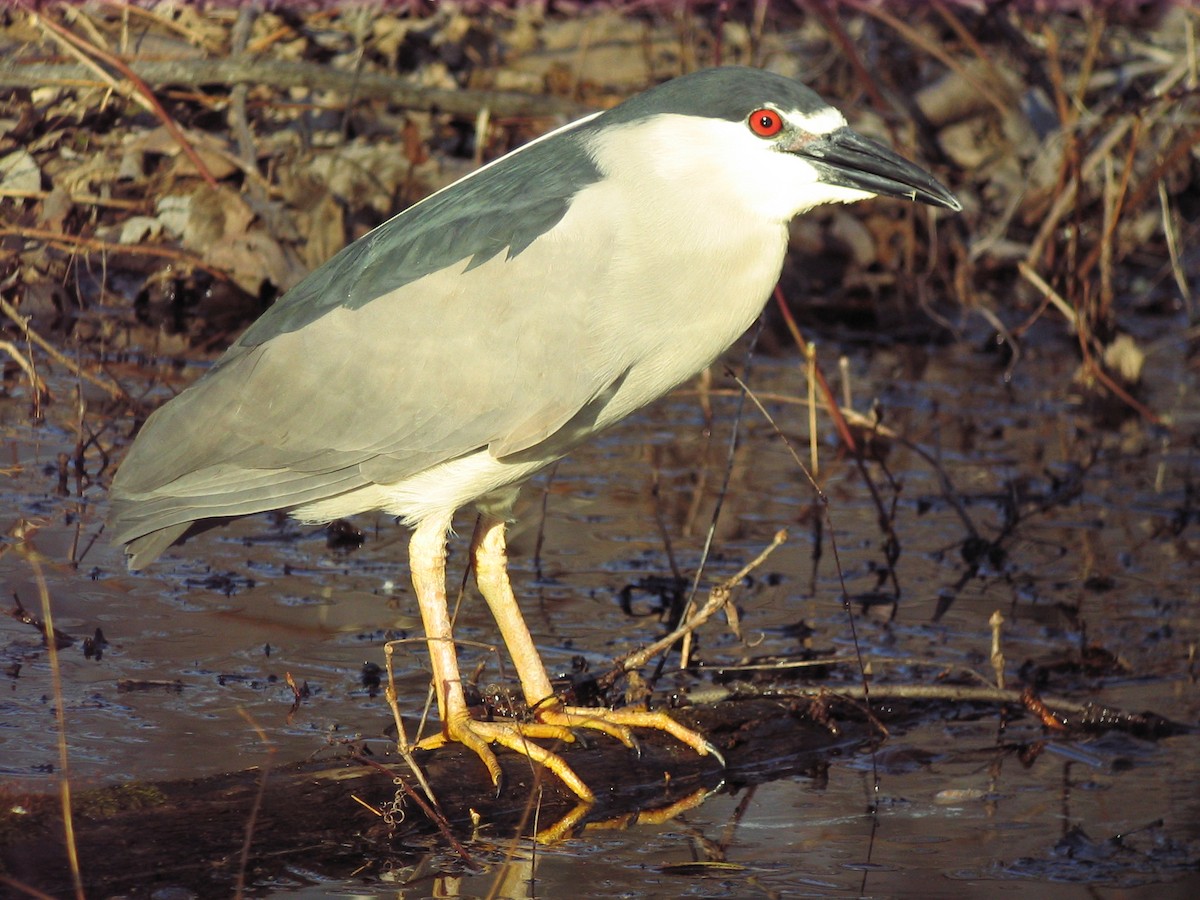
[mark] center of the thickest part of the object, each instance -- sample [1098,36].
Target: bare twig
[80,199]
[934,48]
[1051,295]
[997,624]
[838,34]
[36,383]
[60,715]
[403,745]
[110,387]
[831,405]
[256,808]
[718,597]
[77,242]
[434,816]
[1174,247]
[141,91]
[686,646]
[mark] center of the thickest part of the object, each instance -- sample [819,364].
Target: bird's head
[762,139]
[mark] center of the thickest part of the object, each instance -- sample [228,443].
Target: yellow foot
[516,736]
[618,722]
[555,723]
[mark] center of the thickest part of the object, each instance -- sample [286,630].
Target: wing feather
[455,362]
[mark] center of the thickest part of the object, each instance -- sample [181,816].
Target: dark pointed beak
[847,159]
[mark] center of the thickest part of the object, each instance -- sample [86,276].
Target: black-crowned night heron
[480,335]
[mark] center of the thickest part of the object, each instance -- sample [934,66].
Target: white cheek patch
[821,122]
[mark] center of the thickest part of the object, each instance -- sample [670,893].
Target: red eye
[766,122]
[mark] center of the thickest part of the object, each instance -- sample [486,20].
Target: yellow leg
[490,556]
[427,562]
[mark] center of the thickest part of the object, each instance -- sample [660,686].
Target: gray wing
[503,207]
[417,345]
[423,375]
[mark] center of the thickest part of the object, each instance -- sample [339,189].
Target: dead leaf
[55,209]
[326,231]
[215,214]
[19,172]
[252,258]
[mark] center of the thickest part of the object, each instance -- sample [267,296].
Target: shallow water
[199,648]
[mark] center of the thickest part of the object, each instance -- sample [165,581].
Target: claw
[518,737]
[584,717]
[555,723]
[716,754]
[618,722]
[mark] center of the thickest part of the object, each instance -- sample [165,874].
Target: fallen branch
[281,74]
[1055,713]
[342,816]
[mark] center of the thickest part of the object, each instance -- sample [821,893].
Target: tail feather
[142,551]
[150,522]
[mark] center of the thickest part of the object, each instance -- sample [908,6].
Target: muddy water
[1103,551]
